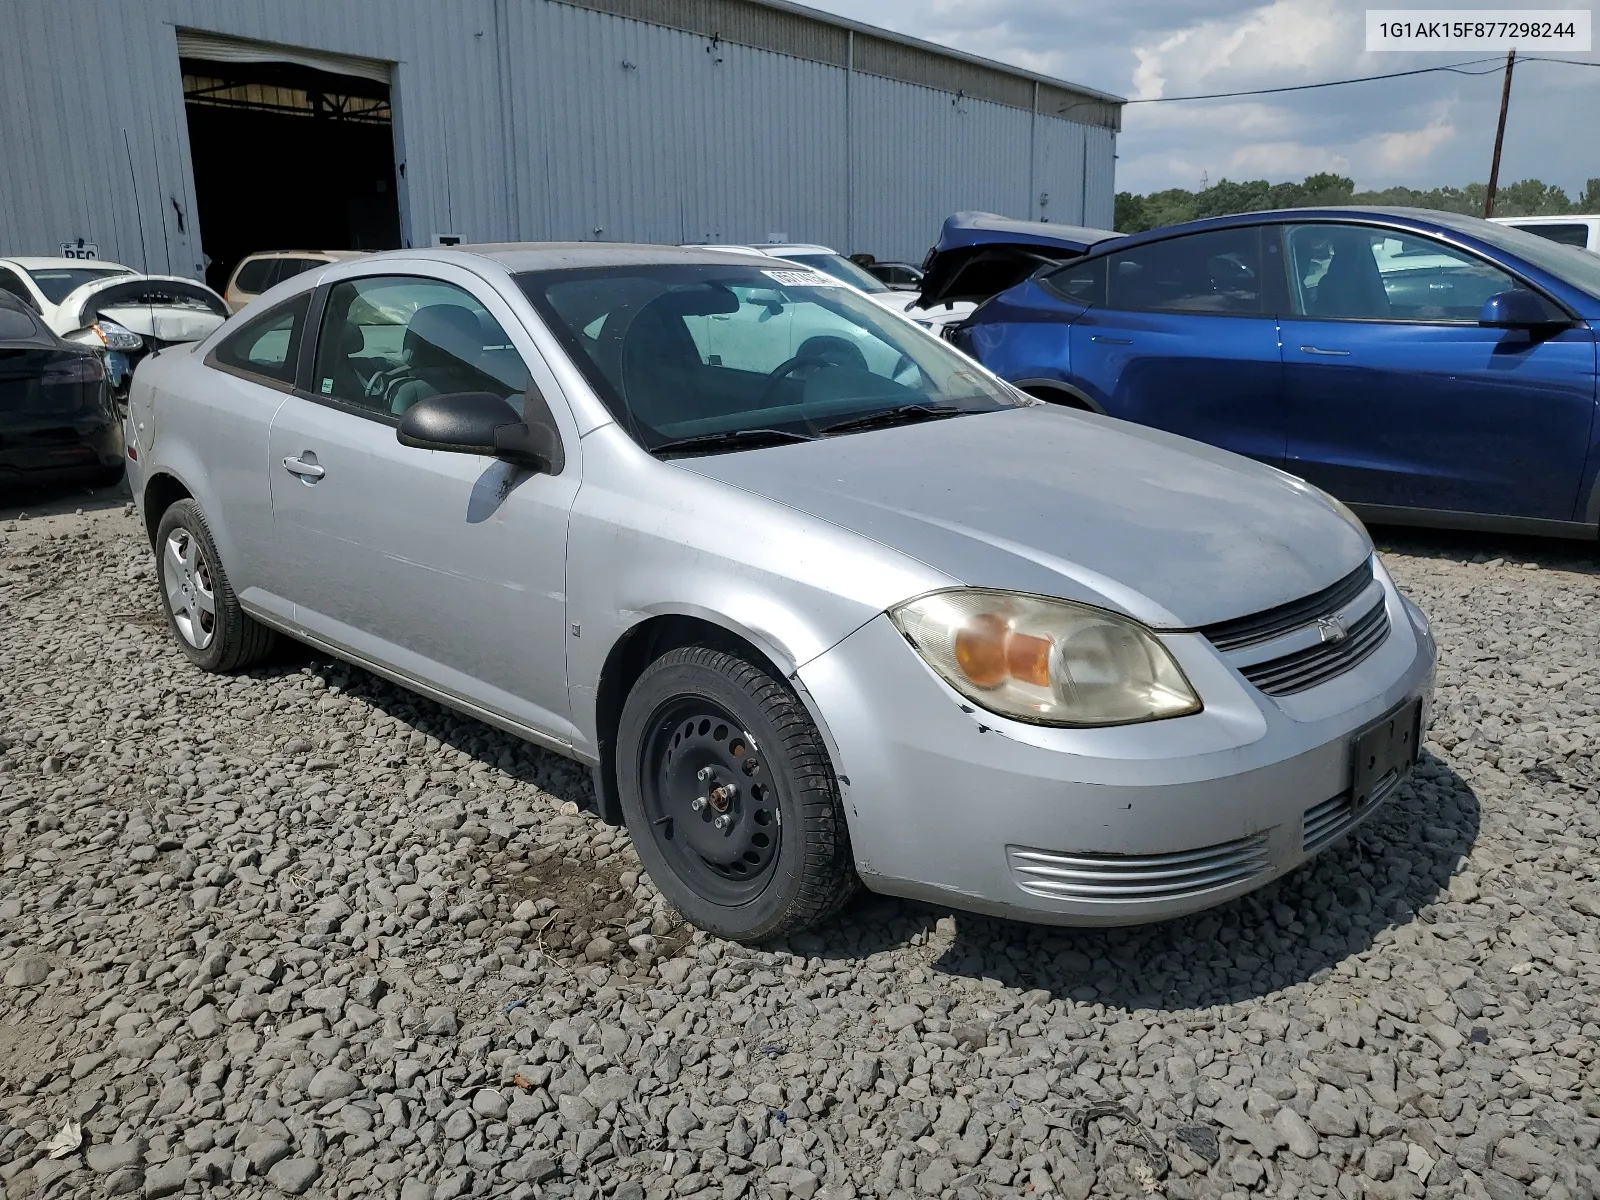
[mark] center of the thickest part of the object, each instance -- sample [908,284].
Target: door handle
[1111,341]
[1319,350]
[306,470]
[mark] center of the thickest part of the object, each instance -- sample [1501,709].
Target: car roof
[1419,219]
[51,264]
[770,249]
[559,256]
[330,255]
[1546,220]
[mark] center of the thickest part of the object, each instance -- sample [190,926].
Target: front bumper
[965,808]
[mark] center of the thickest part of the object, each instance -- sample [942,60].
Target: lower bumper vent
[1113,878]
[1326,822]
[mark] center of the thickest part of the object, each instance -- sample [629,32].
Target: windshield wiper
[904,414]
[732,439]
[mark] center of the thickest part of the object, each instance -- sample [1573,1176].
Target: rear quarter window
[268,347]
[1080,282]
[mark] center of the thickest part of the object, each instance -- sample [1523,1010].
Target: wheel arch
[161,491]
[644,642]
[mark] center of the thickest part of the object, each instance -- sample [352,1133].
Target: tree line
[1527,198]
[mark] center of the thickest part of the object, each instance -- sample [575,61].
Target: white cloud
[1285,37]
[1411,148]
[1422,131]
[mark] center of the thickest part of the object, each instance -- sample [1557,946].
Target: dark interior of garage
[287,157]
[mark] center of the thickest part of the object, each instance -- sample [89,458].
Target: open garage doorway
[287,156]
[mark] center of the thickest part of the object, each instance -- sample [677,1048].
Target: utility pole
[1499,136]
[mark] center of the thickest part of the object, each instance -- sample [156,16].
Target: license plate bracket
[1383,754]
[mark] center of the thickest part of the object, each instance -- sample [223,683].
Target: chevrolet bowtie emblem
[1332,629]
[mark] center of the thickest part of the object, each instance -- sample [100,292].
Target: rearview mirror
[1515,309]
[483,423]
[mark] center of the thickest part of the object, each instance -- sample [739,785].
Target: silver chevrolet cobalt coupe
[818,598]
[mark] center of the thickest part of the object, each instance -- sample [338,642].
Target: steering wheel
[786,368]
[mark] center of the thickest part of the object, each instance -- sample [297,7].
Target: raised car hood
[981,254]
[166,308]
[1045,500]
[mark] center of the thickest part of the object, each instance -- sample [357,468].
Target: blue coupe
[1426,368]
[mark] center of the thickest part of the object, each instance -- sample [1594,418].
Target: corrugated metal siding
[536,119]
[919,155]
[1099,183]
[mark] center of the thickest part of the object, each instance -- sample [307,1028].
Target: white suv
[1572,230]
[831,262]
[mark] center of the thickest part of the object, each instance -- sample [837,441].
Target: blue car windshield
[696,352]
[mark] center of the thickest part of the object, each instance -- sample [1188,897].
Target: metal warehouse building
[187,132]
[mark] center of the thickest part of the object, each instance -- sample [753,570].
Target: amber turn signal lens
[1028,659]
[989,652]
[981,650]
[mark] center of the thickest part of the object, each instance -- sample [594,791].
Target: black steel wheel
[730,798]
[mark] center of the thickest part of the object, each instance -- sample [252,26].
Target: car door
[1398,398]
[1186,340]
[448,568]
[227,423]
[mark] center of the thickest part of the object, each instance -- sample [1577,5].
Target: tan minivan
[258,272]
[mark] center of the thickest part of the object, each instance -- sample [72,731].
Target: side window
[290,267]
[10,283]
[1215,272]
[268,346]
[1080,282]
[388,341]
[1567,235]
[1354,272]
[255,276]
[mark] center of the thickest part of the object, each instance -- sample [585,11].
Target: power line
[1460,68]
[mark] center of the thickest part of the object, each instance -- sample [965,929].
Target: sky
[1427,131]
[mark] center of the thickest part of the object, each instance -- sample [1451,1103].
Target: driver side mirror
[1517,308]
[483,423]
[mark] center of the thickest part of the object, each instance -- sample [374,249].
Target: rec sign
[79,249]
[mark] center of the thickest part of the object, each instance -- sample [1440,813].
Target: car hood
[981,254]
[1055,502]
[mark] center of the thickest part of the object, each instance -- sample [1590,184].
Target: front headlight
[1049,662]
[116,337]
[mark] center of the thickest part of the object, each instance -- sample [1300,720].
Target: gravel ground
[299,932]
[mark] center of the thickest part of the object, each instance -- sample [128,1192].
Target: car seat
[443,344]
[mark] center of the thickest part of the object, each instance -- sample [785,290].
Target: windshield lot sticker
[800,278]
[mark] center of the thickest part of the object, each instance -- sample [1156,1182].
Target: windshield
[56,282]
[707,351]
[841,267]
[1577,267]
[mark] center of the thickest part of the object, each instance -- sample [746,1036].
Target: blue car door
[1398,398]
[1186,340]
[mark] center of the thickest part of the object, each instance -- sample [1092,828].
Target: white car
[831,262]
[44,284]
[113,308]
[1571,230]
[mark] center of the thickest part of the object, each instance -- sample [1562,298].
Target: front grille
[1286,618]
[1316,664]
[1326,822]
[1110,878]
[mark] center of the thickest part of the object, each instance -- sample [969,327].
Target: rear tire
[213,632]
[705,737]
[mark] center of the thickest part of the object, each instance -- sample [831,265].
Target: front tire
[730,798]
[213,632]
